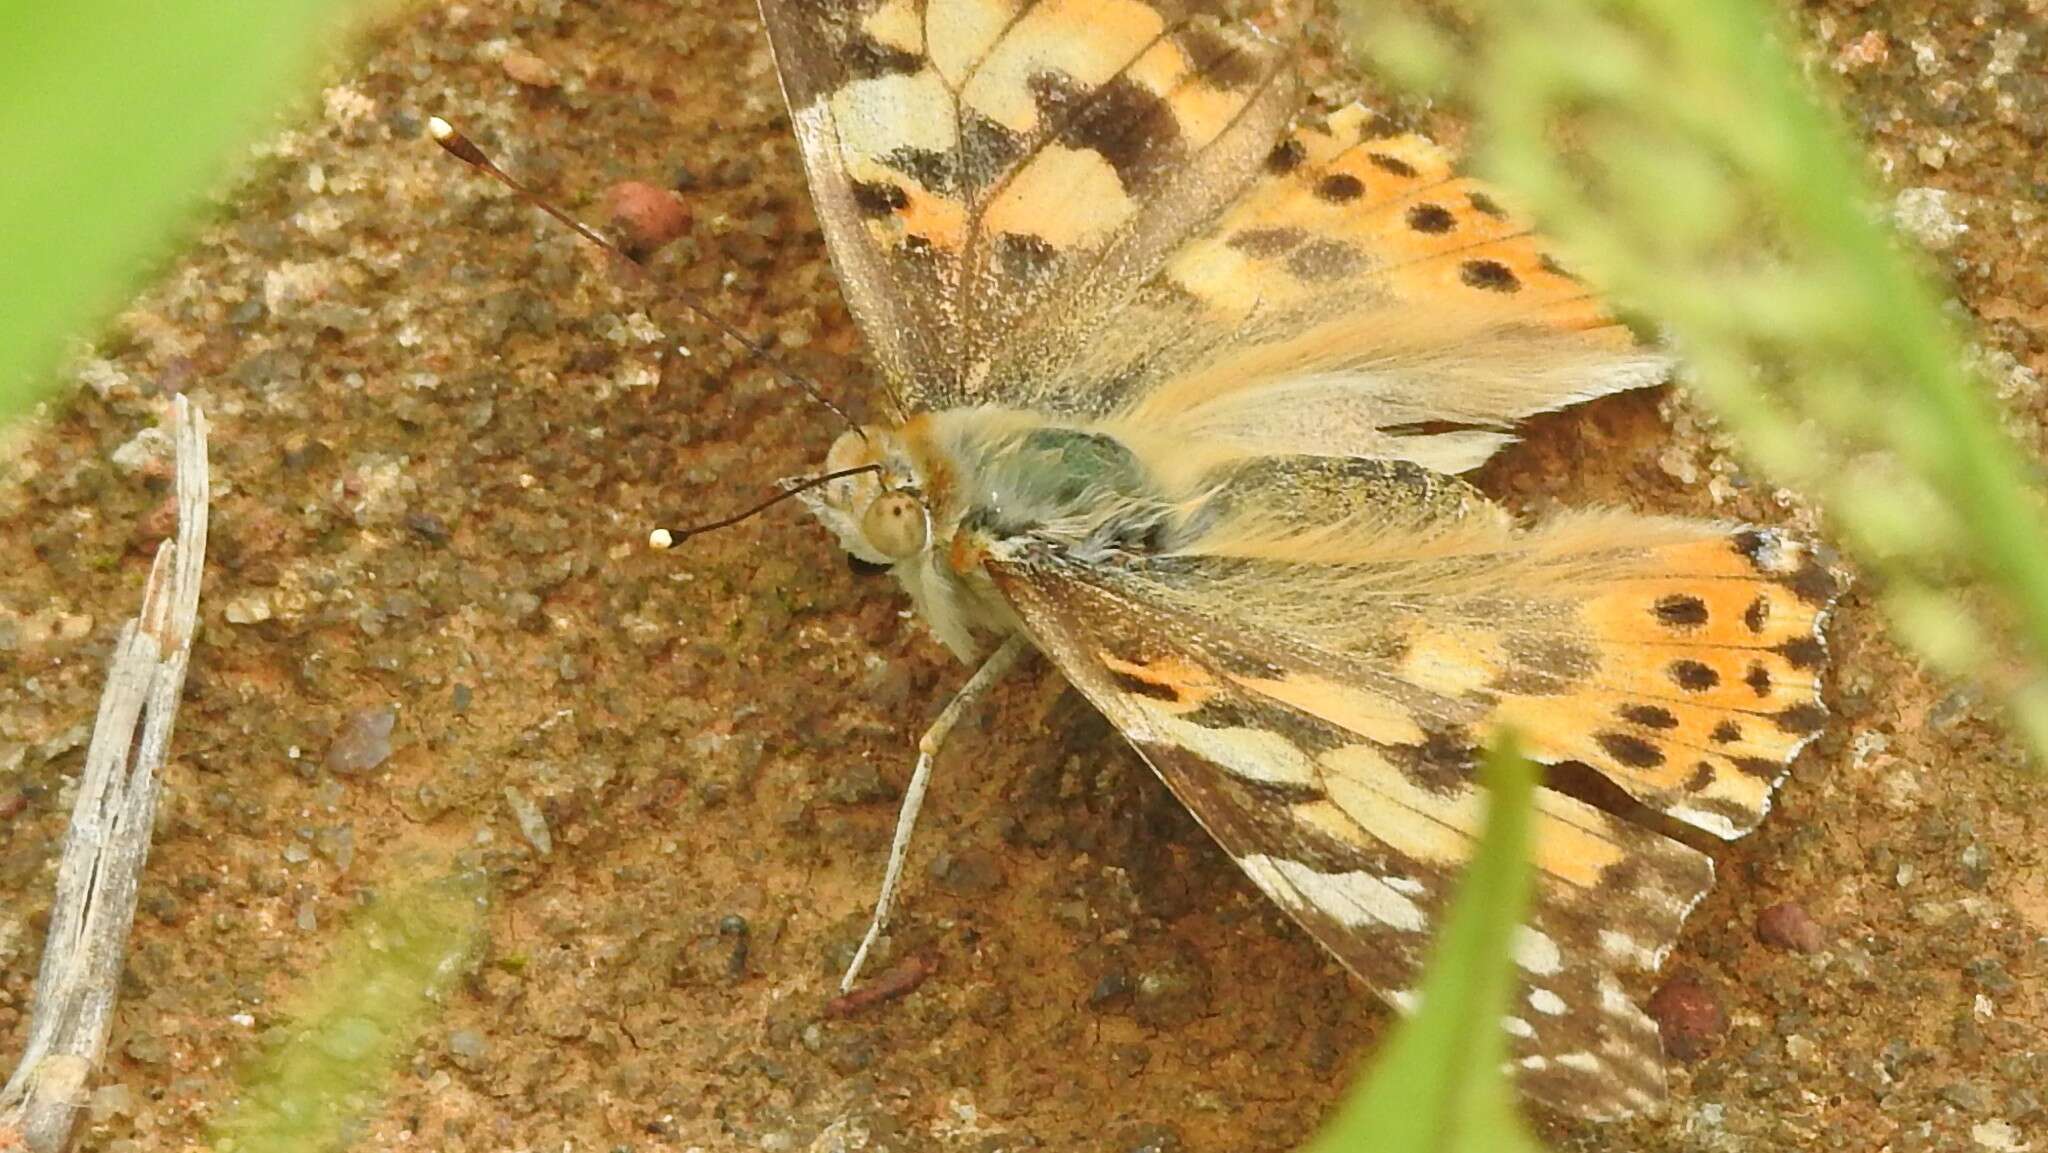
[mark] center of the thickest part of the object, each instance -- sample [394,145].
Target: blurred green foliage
[349,1025]
[1436,1084]
[116,117]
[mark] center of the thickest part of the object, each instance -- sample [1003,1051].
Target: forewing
[989,173]
[1338,827]
[1362,298]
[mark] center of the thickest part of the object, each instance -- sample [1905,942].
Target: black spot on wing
[1393,164]
[1758,679]
[1681,611]
[1286,156]
[1630,750]
[1803,652]
[1693,676]
[1726,732]
[1762,768]
[1703,775]
[1485,205]
[1649,716]
[1757,615]
[1814,584]
[1801,719]
[1340,188]
[1142,687]
[1490,276]
[1434,219]
[876,198]
[866,58]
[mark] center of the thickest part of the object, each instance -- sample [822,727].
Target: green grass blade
[116,116]
[1436,1086]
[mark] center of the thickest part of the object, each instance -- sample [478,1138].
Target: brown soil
[443,430]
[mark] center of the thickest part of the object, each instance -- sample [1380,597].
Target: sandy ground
[443,429]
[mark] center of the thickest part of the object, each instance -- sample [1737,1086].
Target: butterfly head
[879,516]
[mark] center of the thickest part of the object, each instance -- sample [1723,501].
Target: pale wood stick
[111,822]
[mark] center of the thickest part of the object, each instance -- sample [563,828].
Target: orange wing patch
[1342,206]
[1694,690]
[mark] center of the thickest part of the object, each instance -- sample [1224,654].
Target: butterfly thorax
[955,483]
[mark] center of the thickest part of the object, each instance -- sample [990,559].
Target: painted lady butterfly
[1181,398]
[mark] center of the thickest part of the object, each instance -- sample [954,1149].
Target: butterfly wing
[1316,696]
[1362,298]
[1079,206]
[986,167]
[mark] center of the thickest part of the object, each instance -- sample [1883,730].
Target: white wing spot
[1516,1027]
[1536,952]
[1355,899]
[1583,1062]
[1615,1001]
[1547,1003]
[1624,949]
[1714,823]
[1252,754]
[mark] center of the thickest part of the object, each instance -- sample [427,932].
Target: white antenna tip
[439,129]
[661,540]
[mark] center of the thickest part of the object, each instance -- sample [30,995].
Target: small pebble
[530,70]
[1689,1016]
[249,609]
[468,1045]
[1109,987]
[363,741]
[647,216]
[532,825]
[1787,925]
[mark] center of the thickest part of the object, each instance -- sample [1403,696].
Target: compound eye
[894,525]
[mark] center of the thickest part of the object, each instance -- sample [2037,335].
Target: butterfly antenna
[462,148]
[662,538]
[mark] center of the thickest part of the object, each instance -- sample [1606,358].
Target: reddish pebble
[1689,1016]
[1787,925]
[526,68]
[646,215]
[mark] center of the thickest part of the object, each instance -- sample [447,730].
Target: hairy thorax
[952,484]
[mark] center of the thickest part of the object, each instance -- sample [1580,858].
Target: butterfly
[1183,386]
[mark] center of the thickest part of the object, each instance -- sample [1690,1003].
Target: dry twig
[110,826]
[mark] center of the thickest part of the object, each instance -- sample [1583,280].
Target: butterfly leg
[991,671]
